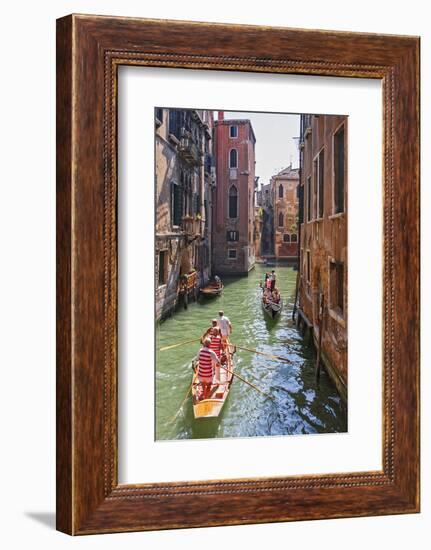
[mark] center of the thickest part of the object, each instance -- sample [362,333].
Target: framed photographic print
[237,274]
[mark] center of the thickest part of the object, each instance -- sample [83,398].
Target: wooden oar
[179,344]
[274,357]
[247,382]
[172,420]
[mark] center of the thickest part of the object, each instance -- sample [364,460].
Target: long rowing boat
[211,407]
[212,289]
[271,309]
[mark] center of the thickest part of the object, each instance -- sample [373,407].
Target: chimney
[220,115]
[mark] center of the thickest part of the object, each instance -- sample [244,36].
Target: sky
[276,147]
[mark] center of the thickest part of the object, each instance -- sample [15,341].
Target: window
[286,238]
[197,203]
[336,286]
[339,171]
[233,158]
[309,213]
[176,204]
[281,220]
[280,191]
[159,114]
[233,131]
[176,122]
[163,267]
[233,202]
[315,189]
[300,195]
[232,235]
[294,238]
[231,254]
[308,268]
[320,184]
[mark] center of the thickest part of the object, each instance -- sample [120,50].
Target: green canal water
[299,406]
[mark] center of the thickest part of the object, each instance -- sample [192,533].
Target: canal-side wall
[323,246]
[183,190]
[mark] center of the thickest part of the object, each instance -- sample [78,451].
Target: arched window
[233,202]
[280,191]
[233,158]
[294,238]
[280,220]
[286,238]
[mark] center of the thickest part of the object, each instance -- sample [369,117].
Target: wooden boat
[212,289]
[211,407]
[272,309]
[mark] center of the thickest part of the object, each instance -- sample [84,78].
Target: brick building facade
[234,212]
[323,238]
[284,192]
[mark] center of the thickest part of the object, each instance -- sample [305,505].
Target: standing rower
[273,279]
[225,326]
[207,359]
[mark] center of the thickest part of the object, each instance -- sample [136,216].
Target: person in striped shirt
[207,359]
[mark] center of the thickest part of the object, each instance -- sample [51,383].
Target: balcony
[187,283]
[192,227]
[189,150]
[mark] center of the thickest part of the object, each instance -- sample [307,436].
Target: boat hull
[211,291]
[274,311]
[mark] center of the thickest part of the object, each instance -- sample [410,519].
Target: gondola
[212,289]
[270,308]
[211,407]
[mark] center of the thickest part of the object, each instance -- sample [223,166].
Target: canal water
[299,406]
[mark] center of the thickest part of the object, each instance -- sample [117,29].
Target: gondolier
[273,279]
[225,326]
[207,359]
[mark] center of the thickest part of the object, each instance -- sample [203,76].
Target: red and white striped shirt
[216,344]
[206,358]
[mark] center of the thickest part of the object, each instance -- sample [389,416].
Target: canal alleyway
[299,406]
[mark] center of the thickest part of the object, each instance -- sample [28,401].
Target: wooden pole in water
[319,347]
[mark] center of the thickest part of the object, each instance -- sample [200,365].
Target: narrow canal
[299,407]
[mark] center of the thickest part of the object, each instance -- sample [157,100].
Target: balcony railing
[188,150]
[192,227]
[187,283]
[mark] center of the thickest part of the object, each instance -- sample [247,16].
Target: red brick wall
[245,188]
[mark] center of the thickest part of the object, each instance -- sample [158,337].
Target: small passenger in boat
[275,296]
[207,361]
[217,281]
